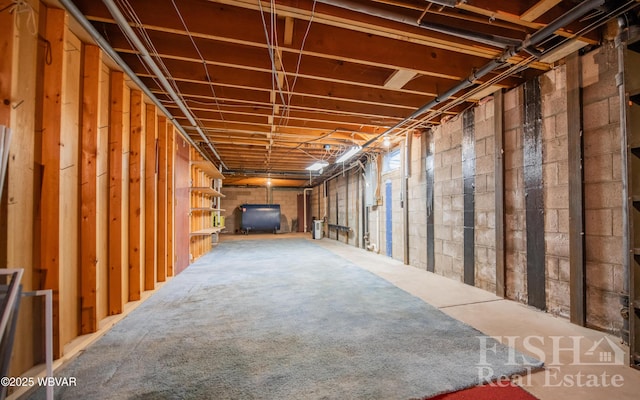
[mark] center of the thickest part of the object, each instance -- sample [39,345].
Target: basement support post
[577,268]
[498,115]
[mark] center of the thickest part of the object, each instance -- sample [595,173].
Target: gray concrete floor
[572,371]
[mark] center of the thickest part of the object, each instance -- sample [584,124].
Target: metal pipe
[484,38]
[627,220]
[106,47]
[146,56]
[488,39]
[508,52]
[560,22]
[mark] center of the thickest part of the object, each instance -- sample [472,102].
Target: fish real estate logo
[569,361]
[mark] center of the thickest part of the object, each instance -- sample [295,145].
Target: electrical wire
[204,62]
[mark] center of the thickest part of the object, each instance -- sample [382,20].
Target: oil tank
[260,217]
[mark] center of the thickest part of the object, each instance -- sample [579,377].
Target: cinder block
[603,309]
[555,150]
[550,174]
[480,184]
[558,292]
[598,168]
[603,140]
[551,220]
[596,115]
[564,269]
[515,241]
[457,202]
[512,119]
[616,166]
[554,105]
[604,249]
[563,220]
[603,195]
[485,201]
[549,128]
[513,159]
[617,222]
[590,70]
[556,197]
[551,266]
[556,244]
[443,232]
[485,237]
[599,222]
[512,98]
[511,140]
[561,128]
[485,164]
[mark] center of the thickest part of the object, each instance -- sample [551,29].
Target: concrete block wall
[514,212]
[417,204]
[602,188]
[236,196]
[449,200]
[288,200]
[555,154]
[602,195]
[348,189]
[485,203]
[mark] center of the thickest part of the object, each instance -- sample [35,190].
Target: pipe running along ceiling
[268,88]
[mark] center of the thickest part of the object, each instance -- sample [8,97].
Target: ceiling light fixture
[350,153]
[317,166]
[386,142]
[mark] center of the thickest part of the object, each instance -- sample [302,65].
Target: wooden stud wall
[161,273]
[19,107]
[73,222]
[50,196]
[115,282]
[91,69]
[150,195]
[135,196]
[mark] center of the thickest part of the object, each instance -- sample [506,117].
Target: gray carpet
[280,319]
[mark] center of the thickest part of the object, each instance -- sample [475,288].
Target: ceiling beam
[538,9]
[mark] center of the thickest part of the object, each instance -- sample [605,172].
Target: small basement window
[391,161]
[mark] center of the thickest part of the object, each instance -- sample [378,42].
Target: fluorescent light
[350,153]
[317,166]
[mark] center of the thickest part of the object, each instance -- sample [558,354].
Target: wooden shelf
[208,169]
[206,190]
[204,197]
[207,231]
